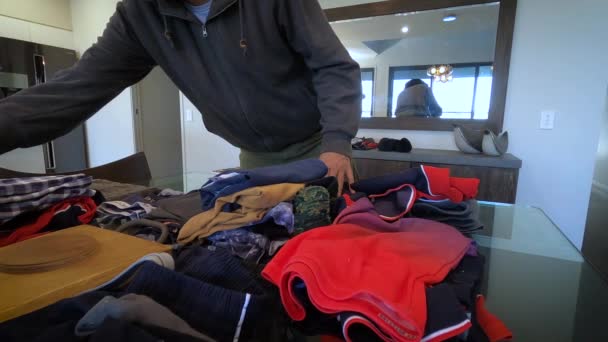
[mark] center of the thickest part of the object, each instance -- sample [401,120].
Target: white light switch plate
[547,119]
[188,114]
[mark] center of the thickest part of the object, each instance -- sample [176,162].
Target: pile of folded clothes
[274,253]
[378,274]
[372,277]
[250,212]
[33,206]
[254,212]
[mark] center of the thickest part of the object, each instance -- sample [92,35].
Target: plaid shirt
[28,185]
[14,190]
[20,195]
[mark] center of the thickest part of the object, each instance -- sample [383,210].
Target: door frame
[138,120]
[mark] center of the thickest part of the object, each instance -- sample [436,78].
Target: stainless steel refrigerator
[24,64]
[595,245]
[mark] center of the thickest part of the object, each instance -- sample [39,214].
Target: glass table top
[536,281]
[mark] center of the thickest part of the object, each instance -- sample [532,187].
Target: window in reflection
[483,91]
[367,85]
[467,96]
[456,96]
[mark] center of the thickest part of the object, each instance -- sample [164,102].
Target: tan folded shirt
[255,203]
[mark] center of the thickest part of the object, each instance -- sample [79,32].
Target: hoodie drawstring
[168,34]
[243,42]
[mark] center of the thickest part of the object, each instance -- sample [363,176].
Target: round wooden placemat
[46,253]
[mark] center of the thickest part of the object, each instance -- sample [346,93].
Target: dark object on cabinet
[25,64]
[393,145]
[131,170]
[498,175]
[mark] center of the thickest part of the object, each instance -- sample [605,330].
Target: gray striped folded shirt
[21,195]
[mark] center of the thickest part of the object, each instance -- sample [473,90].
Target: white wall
[110,132]
[203,151]
[549,70]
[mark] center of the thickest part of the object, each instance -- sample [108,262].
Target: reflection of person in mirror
[417,99]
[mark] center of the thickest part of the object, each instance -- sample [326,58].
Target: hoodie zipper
[205,34]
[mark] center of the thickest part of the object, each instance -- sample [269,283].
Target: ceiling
[480,18]
[369,37]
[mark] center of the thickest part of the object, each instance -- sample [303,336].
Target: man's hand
[340,167]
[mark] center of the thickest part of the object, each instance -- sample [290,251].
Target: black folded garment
[463,216]
[394,145]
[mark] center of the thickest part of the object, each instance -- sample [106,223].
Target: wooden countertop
[507,161]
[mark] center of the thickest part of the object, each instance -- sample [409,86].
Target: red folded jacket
[378,275]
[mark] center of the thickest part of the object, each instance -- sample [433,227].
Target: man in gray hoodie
[270,77]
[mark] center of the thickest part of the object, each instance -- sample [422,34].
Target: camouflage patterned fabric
[311,209]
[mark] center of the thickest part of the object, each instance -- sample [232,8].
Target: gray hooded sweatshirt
[265,74]
[418,100]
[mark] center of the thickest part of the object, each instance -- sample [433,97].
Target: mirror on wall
[399,52]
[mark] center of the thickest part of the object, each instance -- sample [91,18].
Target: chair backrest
[133,169]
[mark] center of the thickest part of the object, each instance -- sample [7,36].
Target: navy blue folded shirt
[228,183]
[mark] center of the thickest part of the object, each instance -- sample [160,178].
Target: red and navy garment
[394,195]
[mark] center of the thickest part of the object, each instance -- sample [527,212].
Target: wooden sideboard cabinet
[498,175]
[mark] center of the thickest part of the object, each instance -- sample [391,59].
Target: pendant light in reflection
[441,73]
